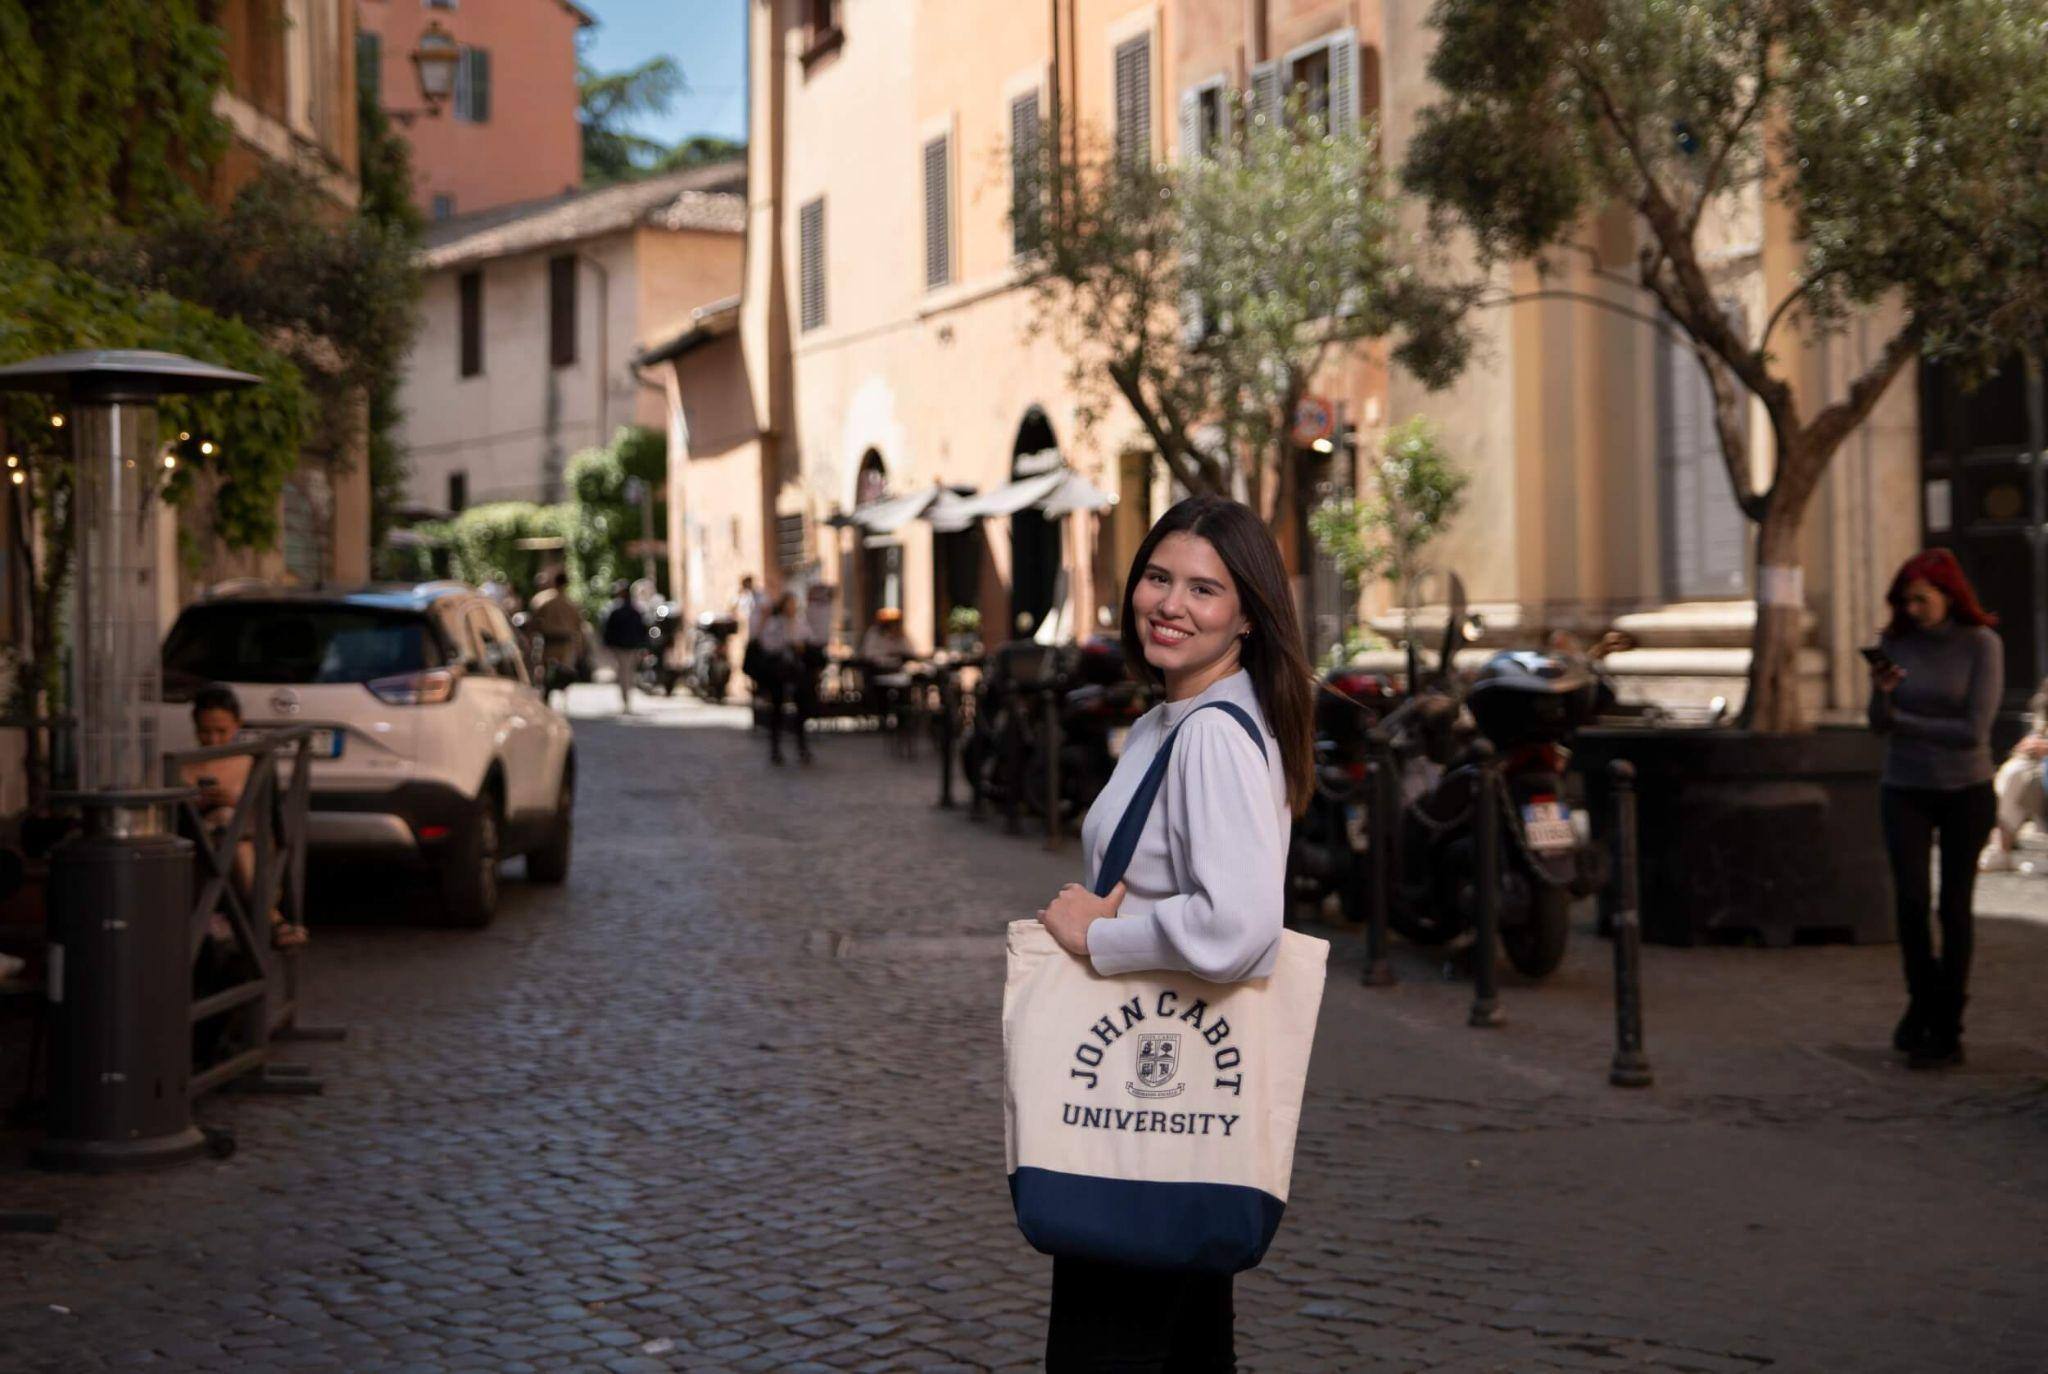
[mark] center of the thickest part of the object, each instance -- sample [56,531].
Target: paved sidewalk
[731,1101]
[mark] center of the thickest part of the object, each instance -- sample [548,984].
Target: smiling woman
[1207,614]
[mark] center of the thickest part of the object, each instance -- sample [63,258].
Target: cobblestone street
[731,1100]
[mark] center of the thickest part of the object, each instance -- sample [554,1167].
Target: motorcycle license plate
[1549,826]
[1357,827]
[1117,736]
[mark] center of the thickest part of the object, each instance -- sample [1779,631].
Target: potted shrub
[963,630]
[1904,143]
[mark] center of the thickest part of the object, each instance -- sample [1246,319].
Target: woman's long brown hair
[1273,654]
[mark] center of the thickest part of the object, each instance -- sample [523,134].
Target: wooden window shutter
[562,311]
[938,212]
[1024,173]
[1134,99]
[1344,85]
[811,264]
[1706,537]
[480,85]
[469,290]
[1190,125]
[1267,99]
[1193,324]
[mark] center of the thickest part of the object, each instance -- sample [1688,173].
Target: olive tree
[1906,139]
[1206,294]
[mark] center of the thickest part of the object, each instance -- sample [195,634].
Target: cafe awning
[1075,492]
[892,513]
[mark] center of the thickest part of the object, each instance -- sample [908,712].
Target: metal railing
[270,817]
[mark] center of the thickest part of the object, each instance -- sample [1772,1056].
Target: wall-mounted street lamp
[435,61]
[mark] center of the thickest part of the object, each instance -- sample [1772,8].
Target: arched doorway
[1035,554]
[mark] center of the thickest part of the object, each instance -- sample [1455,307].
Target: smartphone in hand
[1877,658]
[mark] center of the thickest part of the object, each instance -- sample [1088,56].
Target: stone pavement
[731,1101]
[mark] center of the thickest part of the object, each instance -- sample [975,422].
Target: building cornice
[274,142]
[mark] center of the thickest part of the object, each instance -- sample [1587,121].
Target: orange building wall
[682,271]
[530,147]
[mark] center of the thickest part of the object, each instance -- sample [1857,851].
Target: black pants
[786,680]
[1107,1319]
[1963,818]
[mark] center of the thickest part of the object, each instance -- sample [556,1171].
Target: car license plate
[1117,735]
[1548,824]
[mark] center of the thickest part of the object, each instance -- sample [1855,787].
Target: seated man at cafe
[217,721]
[884,647]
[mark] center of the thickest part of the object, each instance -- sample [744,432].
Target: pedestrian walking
[1208,615]
[1936,675]
[2021,796]
[750,607]
[625,640]
[559,624]
[785,675]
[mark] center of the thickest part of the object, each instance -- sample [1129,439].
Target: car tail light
[431,833]
[429,688]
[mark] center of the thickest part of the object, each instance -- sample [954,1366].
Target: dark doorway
[1981,494]
[880,557]
[1034,540]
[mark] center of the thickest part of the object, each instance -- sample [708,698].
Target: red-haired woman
[1934,692]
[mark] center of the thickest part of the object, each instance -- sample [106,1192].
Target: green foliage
[608,101]
[484,540]
[607,519]
[1208,295]
[1356,640]
[700,150]
[1920,134]
[386,177]
[1417,490]
[255,434]
[108,115]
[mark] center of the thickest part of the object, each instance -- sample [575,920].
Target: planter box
[1747,836]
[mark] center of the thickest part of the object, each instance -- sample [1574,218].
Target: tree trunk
[1780,632]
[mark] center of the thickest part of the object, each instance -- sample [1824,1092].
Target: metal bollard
[948,723]
[1631,1069]
[1381,819]
[1052,768]
[1486,1010]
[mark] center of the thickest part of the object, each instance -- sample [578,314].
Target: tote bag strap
[1123,841]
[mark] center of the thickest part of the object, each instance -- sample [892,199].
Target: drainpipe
[601,415]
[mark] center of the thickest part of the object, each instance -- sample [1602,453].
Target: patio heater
[121,887]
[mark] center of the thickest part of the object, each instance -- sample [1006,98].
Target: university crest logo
[1158,1060]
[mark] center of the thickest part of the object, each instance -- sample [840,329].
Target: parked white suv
[432,746]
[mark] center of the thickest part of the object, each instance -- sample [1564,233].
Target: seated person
[884,647]
[217,720]
[2018,785]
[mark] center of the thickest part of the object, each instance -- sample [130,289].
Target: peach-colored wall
[530,146]
[681,271]
[718,509]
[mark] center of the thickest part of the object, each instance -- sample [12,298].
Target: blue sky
[707,38]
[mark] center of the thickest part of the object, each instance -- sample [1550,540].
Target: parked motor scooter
[658,671]
[1098,705]
[1526,705]
[1327,849]
[709,670]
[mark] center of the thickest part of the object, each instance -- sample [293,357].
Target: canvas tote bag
[1150,1117]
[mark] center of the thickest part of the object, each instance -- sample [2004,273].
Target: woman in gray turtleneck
[1934,695]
